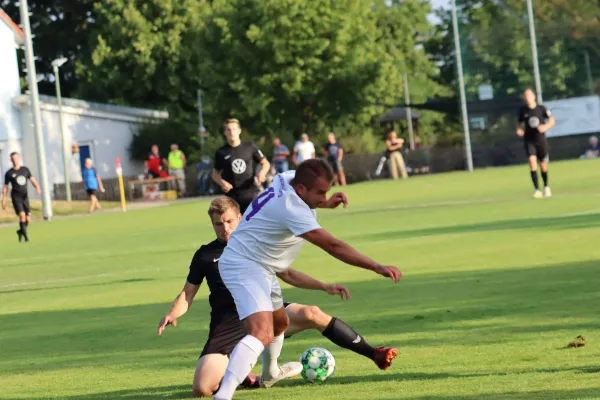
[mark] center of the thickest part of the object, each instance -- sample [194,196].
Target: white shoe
[538,194]
[547,192]
[288,370]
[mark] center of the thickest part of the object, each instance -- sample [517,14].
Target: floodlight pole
[411,134]
[35,108]
[461,88]
[62,129]
[534,53]
[201,121]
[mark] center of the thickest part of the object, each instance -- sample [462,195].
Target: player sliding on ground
[266,242]
[226,330]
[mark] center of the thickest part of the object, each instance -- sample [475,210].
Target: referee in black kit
[17,177]
[235,166]
[536,119]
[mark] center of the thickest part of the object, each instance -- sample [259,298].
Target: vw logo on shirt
[238,166]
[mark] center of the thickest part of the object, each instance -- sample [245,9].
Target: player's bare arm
[520,131]
[4,195]
[100,185]
[35,185]
[346,253]
[301,280]
[264,170]
[335,200]
[225,186]
[548,125]
[182,303]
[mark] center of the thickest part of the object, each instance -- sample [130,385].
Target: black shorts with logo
[225,333]
[538,148]
[21,204]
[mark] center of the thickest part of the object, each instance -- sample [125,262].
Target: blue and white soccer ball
[318,365]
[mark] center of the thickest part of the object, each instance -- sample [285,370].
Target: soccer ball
[318,365]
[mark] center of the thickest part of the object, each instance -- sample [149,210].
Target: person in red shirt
[153,164]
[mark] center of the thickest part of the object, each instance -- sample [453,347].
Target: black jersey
[238,164]
[18,181]
[205,264]
[533,118]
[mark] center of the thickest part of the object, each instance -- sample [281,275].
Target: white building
[100,131]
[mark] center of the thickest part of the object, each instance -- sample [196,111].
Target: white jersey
[305,150]
[269,232]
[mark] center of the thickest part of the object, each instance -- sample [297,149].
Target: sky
[435,4]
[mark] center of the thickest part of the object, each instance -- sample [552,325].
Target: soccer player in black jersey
[235,166]
[534,122]
[226,330]
[17,177]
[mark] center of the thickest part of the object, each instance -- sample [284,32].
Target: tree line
[284,67]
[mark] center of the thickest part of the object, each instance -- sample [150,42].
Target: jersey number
[260,202]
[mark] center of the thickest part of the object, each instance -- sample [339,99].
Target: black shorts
[244,198]
[21,204]
[336,166]
[538,148]
[224,334]
[91,192]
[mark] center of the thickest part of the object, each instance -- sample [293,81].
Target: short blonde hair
[221,205]
[233,121]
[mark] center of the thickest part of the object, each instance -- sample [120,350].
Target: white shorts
[254,288]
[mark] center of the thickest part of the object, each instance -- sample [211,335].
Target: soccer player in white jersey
[266,242]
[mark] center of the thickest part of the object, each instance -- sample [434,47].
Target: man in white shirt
[266,242]
[303,150]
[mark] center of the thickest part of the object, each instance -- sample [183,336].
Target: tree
[144,54]
[62,28]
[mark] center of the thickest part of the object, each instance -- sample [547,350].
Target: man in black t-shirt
[335,152]
[226,329]
[536,120]
[235,166]
[17,178]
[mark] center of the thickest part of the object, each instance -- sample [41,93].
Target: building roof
[18,32]
[399,113]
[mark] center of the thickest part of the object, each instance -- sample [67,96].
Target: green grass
[495,286]
[59,208]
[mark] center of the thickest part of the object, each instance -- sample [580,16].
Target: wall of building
[106,129]
[10,123]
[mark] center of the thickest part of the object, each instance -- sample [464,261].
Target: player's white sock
[243,359]
[270,356]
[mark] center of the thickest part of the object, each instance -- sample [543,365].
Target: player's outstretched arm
[346,253]
[335,200]
[182,303]
[301,280]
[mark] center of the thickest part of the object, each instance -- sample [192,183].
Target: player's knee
[311,313]
[281,324]
[203,390]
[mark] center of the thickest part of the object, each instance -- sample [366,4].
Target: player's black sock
[545,178]
[534,179]
[344,336]
[23,226]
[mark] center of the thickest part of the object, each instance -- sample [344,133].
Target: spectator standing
[92,183]
[303,150]
[280,155]
[335,152]
[394,155]
[177,163]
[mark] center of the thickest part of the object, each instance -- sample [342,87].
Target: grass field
[495,286]
[59,208]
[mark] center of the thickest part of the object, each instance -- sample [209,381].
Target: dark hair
[221,205]
[13,154]
[389,132]
[311,170]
